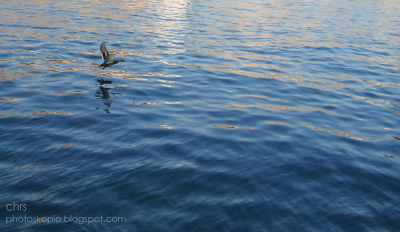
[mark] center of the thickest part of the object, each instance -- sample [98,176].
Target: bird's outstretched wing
[108,59]
[104,51]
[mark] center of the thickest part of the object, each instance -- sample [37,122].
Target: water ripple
[226,116]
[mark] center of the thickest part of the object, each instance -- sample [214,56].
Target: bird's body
[107,57]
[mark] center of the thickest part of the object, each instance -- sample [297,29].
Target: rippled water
[226,116]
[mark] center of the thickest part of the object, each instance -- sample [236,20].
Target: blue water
[255,115]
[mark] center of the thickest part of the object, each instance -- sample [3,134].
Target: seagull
[108,59]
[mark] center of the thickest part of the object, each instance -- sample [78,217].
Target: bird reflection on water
[108,61]
[103,93]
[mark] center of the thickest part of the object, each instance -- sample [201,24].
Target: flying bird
[107,57]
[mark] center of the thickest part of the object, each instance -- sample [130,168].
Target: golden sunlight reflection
[225,126]
[259,106]
[61,61]
[124,75]
[391,103]
[278,107]
[65,145]
[174,14]
[164,81]
[30,197]
[180,165]
[165,126]
[7,114]
[22,179]
[4,77]
[10,99]
[172,103]
[27,64]
[221,105]
[52,112]
[143,103]
[276,123]
[394,112]
[249,95]
[17,51]
[38,221]
[71,92]
[239,105]
[336,133]
[53,79]
[363,99]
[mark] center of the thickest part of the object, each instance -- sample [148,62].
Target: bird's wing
[110,59]
[104,51]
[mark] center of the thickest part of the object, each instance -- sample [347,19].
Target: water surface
[226,116]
